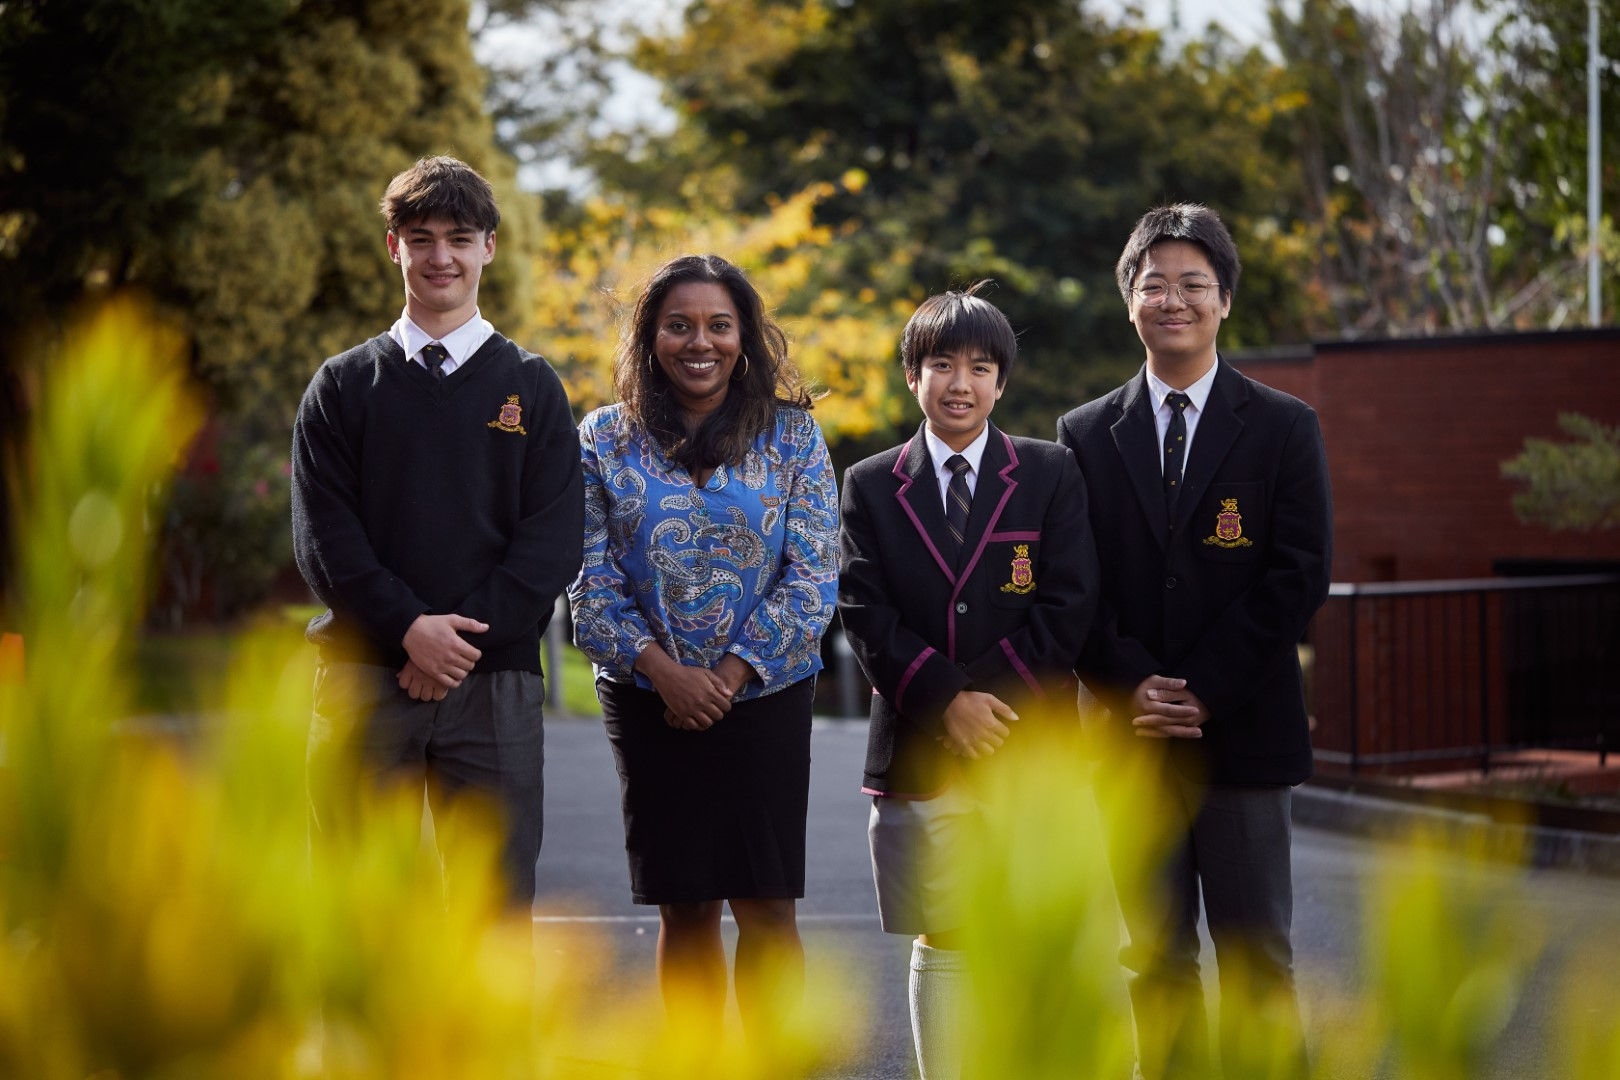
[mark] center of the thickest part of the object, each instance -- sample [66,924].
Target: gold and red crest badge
[1023,572]
[1229,527]
[510,417]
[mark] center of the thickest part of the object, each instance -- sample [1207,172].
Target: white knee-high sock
[936,992]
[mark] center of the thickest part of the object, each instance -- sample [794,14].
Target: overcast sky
[1244,19]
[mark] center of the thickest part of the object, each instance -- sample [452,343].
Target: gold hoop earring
[744,373]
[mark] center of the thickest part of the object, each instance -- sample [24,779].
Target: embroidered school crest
[1229,527]
[1023,572]
[510,417]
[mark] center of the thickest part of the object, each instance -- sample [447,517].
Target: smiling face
[1179,337]
[956,390]
[441,263]
[697,339]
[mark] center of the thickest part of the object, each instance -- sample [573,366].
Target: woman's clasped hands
[694,697]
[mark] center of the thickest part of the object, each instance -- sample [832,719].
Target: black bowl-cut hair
[957,320]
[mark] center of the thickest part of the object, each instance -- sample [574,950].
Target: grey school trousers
[485,738]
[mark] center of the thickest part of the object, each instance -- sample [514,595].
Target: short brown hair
[440,187]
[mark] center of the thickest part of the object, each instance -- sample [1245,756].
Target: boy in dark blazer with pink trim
[967,583]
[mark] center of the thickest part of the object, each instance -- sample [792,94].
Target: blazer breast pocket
[1230,524]
[1012,567]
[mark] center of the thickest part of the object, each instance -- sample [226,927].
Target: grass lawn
[578,685]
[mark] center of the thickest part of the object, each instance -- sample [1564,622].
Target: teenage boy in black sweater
[438,510]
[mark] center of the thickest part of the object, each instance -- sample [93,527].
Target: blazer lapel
[918,496]
[1218,429]
[1137,441]
[995,485]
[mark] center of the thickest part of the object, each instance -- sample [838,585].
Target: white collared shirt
[460,343]
[939,453]
[1198,393]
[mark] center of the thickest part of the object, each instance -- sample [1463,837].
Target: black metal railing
[1430,672]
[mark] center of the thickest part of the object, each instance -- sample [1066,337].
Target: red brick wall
[1416,432]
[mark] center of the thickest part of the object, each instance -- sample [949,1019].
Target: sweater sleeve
[544,553]
[330,543]
[781,637]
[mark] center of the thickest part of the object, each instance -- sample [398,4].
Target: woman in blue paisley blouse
[710,574]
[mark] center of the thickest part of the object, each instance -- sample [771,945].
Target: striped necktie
[958,500]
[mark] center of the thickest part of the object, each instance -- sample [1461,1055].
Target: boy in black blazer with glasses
[1213,522]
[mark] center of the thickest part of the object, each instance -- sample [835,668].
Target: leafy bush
[163,912]
[164,915]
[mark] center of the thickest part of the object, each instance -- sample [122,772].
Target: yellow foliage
[1042,937]
[163,911]
[1448,955]
[843,340]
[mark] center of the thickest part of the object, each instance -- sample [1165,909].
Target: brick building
[1435,675]
[1416,432]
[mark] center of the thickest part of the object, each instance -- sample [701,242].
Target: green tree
[105,106]
[1569,485]
[1542,46]
[227,159]
[551,67]
[1018,141]
[1443,148]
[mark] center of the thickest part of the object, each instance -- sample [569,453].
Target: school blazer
[1221,595]
[1007,616]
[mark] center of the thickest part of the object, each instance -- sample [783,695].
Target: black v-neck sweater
[414,494]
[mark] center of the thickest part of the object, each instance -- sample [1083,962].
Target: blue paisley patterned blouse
[747,563]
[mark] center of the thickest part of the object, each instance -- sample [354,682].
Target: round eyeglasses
[1192,293]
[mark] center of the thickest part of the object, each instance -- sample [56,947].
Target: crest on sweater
[1229,527]
[510,417]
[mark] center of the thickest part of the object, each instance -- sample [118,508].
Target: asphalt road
[584,888]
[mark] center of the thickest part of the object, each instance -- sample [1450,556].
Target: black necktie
[957,499]
[1175,448]
[434,355]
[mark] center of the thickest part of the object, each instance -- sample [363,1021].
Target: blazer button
[961,607]
[1169,582]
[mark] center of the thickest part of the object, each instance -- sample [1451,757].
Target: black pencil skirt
[716,814]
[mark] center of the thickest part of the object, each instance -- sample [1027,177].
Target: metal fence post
[1484,683]
[1355,686]
[849,704]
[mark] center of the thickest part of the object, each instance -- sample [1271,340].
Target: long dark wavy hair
[769,379]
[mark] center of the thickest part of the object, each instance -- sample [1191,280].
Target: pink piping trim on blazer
[905,680]
[1011,485]
[1019,666]
[905,486]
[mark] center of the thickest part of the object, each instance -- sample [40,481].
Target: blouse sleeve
[781,638]
[609,627]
